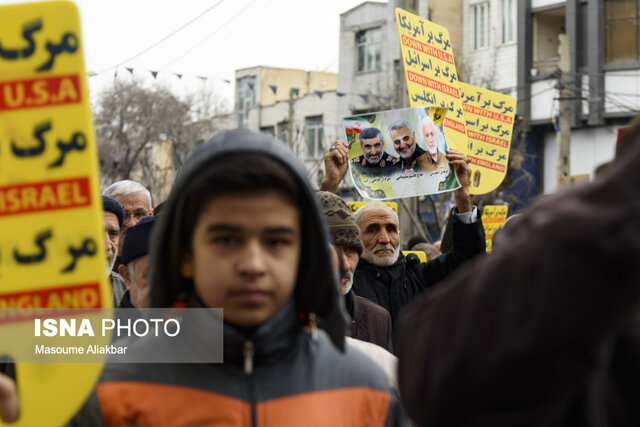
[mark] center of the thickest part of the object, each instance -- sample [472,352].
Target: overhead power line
[213,33]
[164,38]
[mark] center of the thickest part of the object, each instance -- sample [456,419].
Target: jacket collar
[274,337]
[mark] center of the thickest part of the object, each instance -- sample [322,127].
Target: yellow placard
[357,205]
[52,249]
[493,217]
[420,254]
[489,118]
[430,71]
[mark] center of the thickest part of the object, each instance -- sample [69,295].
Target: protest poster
[489,118]
[354,206]
[52,250]
[430,71]
[422,256]
[399,153]
[493,217]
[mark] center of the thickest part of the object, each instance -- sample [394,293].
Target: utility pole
[563,137]
[291,118]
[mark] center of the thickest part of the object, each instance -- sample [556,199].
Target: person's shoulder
[393,160]
[380,356]
[371,306]
[389,158]
[352,368]
[357,160]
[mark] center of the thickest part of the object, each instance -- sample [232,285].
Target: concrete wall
[622,91]
[590,147]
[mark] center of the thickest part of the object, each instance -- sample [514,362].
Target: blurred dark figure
[546,330]
[414,241]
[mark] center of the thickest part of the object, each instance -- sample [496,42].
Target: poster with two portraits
[399,153]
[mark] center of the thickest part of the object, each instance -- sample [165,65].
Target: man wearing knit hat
[113,220]
[371,322]
[135,263]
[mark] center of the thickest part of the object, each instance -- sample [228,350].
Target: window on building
[314,136]
[369,44]
[245,99]
[622,31]
[547,26]
[508,21]
[480,19]
[283,131]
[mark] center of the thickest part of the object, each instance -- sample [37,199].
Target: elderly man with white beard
[435,159]
[113,220]
[386,277]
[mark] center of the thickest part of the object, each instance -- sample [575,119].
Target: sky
[233,34]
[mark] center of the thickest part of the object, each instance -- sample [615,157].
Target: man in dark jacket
[387,277]
[370,322]
[545,331]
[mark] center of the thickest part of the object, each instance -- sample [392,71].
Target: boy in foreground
[242,231]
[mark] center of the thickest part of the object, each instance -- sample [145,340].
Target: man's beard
[435,150]
[346,287]
[373,162]
[408,156]
[111,261]
[381,260]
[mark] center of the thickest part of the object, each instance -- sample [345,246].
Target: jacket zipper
[249,352]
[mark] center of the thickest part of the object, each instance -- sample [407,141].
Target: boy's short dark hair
[238,174]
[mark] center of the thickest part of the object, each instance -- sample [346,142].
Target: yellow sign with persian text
[357,205]
[489,117]
[52,250]
[430,71]
[493,217]
[422,256]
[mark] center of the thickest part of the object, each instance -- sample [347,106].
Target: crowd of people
[326,322]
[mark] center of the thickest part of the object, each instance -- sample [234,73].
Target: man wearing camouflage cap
[371,322]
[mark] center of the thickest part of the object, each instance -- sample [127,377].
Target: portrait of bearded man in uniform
[374,160]
[412,156]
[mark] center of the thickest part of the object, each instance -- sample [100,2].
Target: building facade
[296,106]
[518,47]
